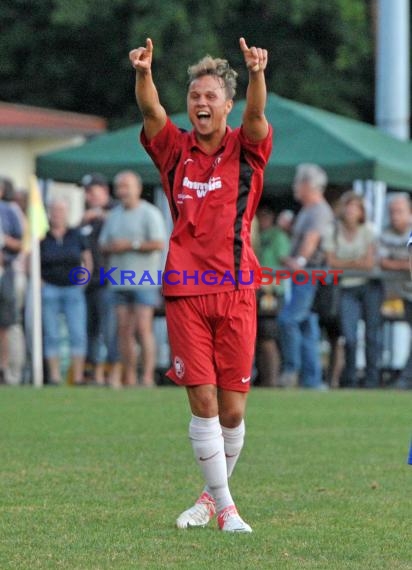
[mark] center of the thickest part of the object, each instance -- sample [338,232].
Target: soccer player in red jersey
[213,180]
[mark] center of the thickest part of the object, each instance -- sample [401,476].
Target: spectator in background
[17,200]
[285,220]
[298,325]
[101,317]
[274,246]
[352,245]
[255,235]
[394,257]
[133,237]
[21,198]
[62,250]
[11,243]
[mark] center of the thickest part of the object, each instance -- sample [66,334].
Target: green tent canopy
[346,148]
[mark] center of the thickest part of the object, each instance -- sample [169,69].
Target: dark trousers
[356,303]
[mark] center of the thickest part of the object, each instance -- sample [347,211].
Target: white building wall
[18,156]
[17,162]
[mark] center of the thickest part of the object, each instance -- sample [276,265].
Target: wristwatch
[136,243]
[301,261]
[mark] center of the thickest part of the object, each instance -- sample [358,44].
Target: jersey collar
[194,144]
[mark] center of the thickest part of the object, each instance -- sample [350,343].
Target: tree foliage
[321,53]
[74,55]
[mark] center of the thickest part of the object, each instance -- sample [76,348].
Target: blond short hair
[220,68]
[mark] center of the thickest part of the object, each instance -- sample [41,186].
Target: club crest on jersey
[217,161]
[202,188]
[179,366]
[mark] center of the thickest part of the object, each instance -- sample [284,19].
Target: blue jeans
[70,302]
[361,302]
[299,335]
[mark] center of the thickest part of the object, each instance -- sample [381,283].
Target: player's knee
[231,418]
[203,402]
[205,407]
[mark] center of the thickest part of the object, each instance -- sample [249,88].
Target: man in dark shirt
[101,316]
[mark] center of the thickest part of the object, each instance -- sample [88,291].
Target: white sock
[233,438]
[208,446]
[233,443]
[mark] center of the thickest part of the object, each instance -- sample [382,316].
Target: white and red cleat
[200,514]
[229,521]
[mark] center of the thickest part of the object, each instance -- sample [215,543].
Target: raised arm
[255,125]
[154,115]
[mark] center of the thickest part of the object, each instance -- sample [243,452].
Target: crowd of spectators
[101,322]
[375,267]
[109,322]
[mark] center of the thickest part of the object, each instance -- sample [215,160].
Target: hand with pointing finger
[256,59]
[141,58]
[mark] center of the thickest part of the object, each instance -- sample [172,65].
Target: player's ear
[229,106]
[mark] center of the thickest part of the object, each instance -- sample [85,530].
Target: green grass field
[95,479]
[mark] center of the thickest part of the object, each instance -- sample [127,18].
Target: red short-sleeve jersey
[212,199]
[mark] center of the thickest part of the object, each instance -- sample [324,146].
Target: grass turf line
[94,479]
